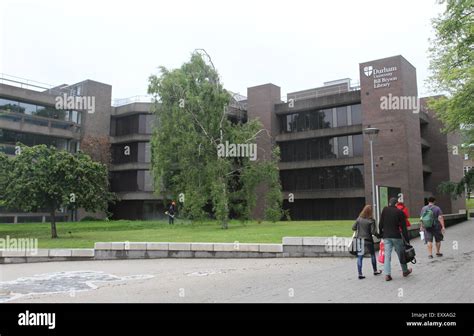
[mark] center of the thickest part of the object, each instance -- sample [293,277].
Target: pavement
[448,279]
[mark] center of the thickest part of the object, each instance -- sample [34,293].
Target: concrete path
[446,279]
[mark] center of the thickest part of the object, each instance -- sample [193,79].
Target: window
[358,145]
[327,150]
[327,121]
[341,113]
[343,147]
[339,177]
[314,120]
[356,114]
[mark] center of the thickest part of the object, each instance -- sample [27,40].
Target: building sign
[382,77]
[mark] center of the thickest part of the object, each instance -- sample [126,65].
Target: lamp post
[372,134]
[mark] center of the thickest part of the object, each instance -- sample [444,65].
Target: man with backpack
[432,224]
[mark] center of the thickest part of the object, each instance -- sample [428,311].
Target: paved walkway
[446,279]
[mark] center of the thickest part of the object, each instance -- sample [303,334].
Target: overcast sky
[294,44]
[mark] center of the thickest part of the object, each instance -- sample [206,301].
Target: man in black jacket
[391,228]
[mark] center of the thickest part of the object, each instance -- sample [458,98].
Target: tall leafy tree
[42,177]
[452,66]
[192,123]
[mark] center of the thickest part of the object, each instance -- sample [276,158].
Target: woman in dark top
[365,228]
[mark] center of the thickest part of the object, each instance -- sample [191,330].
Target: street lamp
[372,133]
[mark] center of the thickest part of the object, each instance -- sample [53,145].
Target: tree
[192,128]
[98,148]
[452,67]
[466,184]
[42,177]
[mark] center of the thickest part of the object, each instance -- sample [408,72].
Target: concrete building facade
[325,156]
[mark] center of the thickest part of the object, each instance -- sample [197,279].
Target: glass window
[10,105]
[358,145]
[314,120]
[28,108]
[314,149]
[341,113]
[343,147]
[326,118]
[356,114]
[327,148]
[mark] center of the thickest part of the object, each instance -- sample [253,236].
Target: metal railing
[131,100]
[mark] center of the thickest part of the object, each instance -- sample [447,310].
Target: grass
[85,234]
[470,203]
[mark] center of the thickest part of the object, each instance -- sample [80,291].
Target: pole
[374,204]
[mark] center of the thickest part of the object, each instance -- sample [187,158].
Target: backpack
[427,218]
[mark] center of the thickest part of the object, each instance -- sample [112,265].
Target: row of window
[131,180]
[322,148]
[134,124]
[131,152]
[340,177]
[39,110]
[319,119]
[9,139]
[325,209]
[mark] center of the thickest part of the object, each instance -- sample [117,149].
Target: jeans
[399,249]
[360,257]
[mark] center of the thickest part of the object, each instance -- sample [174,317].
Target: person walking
[171,212]
[365,228]
[432,224]
[401,206]
[391,220]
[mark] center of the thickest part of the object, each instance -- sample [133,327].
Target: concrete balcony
[138,196]
[38,125]
[320,133]
[427,169]
[424,143]
[321,163]
[344,98]
[130,138]
[130,166]
[424,118]
[326,193]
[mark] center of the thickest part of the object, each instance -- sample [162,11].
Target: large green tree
[42,177]
[192,123]
[452,67]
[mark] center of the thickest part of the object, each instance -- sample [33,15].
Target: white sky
[294,44]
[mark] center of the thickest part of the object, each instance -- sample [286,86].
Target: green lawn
[85,234]
[470,203]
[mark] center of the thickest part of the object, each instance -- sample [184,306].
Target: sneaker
[407,273]
[388,278]
[377,272]
[361,277]
[439,254]
[430,256]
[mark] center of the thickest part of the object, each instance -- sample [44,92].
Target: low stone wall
[43,255]
[291,247]
[132,250]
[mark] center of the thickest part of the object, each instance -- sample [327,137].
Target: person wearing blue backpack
[432,224]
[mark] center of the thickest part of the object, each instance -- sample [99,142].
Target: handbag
[381,257]
[408,252]
[355,246]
